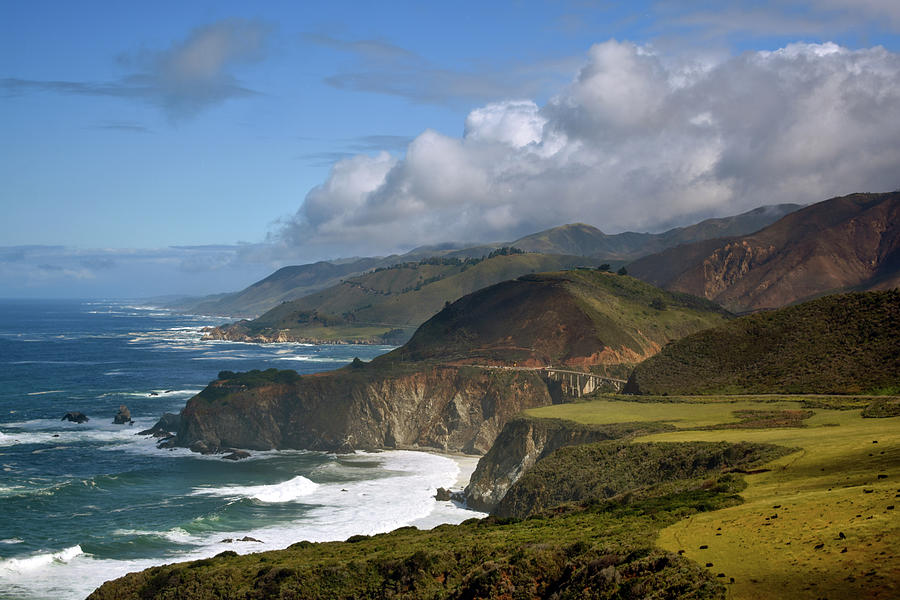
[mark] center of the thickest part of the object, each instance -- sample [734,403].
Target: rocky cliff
[362,407]
[437,390]
[846,243]
[524,441]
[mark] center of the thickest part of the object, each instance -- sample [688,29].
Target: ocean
[84,503]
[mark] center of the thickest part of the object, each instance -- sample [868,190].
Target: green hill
[388,303]
[845,344]
[293,282]
[578,318]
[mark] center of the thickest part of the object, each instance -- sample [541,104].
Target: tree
[604,267]
[622,271]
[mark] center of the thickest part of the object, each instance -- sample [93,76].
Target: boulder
[165,427]
[442,495]
[75,417]
[123,416]
[237,455]
[201,447]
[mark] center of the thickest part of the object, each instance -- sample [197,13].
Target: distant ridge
[845,243]
[586,240]
[291,283]
[388,303]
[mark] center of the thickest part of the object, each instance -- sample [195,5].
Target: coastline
[466,464]
[451,512]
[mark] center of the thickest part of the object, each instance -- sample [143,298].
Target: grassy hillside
[601,551]
[846,343]
[578,318]
[388,303]
[285,284]
[842,244]
[812,523]
[816,523]
[606,469]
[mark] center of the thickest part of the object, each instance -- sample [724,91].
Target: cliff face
[851,242]
[525,441]
[436,390]
[448,408]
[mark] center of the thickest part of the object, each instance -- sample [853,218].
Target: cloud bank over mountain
[637,141]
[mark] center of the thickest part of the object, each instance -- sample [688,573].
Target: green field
[845,479]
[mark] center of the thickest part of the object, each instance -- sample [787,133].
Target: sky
[165,148]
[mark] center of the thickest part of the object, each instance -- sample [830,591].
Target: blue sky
[156,148]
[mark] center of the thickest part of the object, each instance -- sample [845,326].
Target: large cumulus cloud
[636,141]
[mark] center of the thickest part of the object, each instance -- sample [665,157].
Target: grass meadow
[818,523]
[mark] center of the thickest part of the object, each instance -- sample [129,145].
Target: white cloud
[515,122]
[636,142]
[183,80]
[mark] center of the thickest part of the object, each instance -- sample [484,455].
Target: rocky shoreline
[232,334]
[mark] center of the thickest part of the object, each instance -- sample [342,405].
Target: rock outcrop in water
[123,416]
[166,427]
[75,417]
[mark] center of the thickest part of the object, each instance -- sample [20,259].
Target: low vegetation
[840,344]
[229,382]
[816,523]
[606,469]
[581,317]
[596,550]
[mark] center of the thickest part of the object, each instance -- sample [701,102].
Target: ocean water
[84,503]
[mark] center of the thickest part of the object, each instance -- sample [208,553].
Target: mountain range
[293,282]
[845,243]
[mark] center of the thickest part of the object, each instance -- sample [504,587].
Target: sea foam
[30,563]
[287,491]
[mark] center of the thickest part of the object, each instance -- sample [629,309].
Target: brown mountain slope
[586,240]
[850,242]
[579,318]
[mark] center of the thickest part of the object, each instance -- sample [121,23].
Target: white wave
[20,565]
[62,362]
[10,490]
[402,494]
[60,435]
[11,541]
[317,359]
[286,491]
[42,393]
[157,393]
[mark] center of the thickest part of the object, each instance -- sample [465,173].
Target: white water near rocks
[84,503]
